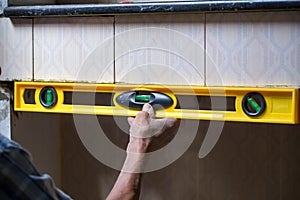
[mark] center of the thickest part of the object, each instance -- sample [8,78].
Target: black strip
[88,98]
[140,8]
[216,103]
[28,96]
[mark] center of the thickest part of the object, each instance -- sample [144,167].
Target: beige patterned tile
[253,49]
[74,49]
[15,49]
[160,49]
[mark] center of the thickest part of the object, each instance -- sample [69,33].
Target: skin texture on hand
[144,128]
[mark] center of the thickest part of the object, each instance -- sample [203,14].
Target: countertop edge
[146,8]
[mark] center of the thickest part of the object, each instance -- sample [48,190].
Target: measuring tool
[269,105]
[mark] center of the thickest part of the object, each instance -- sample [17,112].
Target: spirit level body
[281,103]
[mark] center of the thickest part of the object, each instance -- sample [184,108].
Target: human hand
[144,128]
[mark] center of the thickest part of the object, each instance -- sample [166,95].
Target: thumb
[130,120]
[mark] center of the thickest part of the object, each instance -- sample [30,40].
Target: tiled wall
[250,161]
[253,49]
[40,135]
[232,49]
[154,49]
[15,49]
[74,49]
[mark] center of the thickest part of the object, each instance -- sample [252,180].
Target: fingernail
[146,107]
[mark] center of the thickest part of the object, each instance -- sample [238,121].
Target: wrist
[138,145]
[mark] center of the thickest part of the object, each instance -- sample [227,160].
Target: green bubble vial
[142,98]
[253,104]
[49,97]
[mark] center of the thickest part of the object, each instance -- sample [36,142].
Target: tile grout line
[59,152]
[205,49]
[114,47]
[280,167]
[32,45]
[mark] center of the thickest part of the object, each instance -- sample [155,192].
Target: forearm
[127,186]
[143,128]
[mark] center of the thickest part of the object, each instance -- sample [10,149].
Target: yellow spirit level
[269,105]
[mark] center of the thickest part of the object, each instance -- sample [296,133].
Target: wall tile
[15,49]
[39,133]
[253,49]
[244,164]
[91,179]
[160,49]
[290,159]
[179,180]
[73,49]
[83,176]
